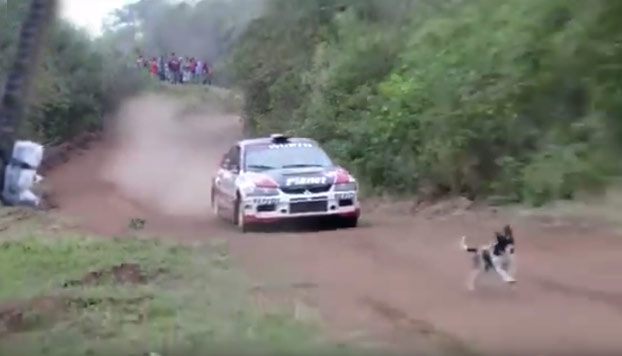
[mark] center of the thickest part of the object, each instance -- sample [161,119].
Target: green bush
[76,83]
[482,97]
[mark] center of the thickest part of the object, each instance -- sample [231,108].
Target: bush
[76,82]
[472,97]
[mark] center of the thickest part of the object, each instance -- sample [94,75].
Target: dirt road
[399,278]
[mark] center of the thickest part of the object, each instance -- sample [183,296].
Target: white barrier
[20,174]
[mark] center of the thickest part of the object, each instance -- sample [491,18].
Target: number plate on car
[345,196]
[265,201]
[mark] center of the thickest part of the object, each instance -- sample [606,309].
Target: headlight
[346,187]
[262,192]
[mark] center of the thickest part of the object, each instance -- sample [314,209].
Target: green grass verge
[75,295]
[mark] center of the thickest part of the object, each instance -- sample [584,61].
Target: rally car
[271,179]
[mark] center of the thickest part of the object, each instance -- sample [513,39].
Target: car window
[296,155]
[233,157]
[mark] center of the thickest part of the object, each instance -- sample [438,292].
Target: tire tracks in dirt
[614,300]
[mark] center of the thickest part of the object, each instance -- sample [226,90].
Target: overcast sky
[89,14]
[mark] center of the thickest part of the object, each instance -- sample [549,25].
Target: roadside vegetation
[78,81]
[513,99]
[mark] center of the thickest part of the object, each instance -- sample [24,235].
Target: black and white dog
[498,255]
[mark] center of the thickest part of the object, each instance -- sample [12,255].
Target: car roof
[268,140]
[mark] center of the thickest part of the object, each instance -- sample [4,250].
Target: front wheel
[238,215]
[214,203]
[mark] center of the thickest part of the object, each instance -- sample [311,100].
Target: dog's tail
[466,247]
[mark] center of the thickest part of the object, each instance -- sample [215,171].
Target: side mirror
[224,163]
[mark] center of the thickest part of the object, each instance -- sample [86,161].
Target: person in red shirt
[153,67]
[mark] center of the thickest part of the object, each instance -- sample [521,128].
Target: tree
[480,97]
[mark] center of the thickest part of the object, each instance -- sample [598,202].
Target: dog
[499,255]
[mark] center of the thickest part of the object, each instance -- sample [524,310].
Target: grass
[66,294]
[603,208]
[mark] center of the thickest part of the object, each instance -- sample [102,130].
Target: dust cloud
[164,156]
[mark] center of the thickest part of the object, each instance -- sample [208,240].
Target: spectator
[198,71]
[192,67]
[140,61]
[174,66]
[185,69]
[177,69]
[208,73]
[161,68]
[153,67]
[182,69]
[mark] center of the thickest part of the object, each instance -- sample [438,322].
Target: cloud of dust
[165,159]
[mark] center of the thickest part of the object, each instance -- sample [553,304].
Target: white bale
[18,182]
[28,152]
[21,174]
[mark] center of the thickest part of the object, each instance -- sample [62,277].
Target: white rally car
[270,179]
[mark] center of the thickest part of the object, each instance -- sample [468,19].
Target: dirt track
[398,278]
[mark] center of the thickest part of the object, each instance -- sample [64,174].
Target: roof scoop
[279,138]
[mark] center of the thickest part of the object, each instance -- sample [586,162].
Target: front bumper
[284,206]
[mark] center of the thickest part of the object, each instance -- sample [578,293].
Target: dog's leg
[476,269]
[477,263]
[512,267]
[498,265]
[472,278]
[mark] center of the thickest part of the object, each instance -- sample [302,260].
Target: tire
[238,217]
[214,205]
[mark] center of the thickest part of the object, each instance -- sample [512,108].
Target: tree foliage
[71,93]
[477,97]
[512,98]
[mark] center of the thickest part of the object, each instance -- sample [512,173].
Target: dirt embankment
[399,278]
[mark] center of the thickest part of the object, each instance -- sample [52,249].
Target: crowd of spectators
[177,69]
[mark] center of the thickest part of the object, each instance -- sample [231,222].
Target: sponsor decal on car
[291,145]
[305,180]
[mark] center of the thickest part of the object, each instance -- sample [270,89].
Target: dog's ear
[507,231]
[499,236]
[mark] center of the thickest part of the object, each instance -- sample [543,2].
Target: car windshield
[291,155]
